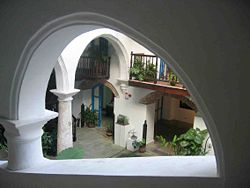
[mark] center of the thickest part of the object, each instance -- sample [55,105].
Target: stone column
[64,130]
[24,141]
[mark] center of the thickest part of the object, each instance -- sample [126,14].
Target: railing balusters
[92,68]
[147,60]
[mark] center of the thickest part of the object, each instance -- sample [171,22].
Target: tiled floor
[97,144]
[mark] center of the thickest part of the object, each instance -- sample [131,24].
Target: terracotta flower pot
[90,125]
[142,149]
[109,133]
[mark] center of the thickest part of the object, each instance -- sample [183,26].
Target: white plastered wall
[136,112]
[208,40]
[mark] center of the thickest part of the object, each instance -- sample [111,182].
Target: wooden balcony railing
[93,68]
[150,68]
[150,72]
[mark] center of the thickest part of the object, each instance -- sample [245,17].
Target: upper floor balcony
[91,68]
[150,72]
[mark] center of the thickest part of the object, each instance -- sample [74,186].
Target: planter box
[122,134]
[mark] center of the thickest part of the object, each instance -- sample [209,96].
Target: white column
[150,117]
[24,141]
[64,130]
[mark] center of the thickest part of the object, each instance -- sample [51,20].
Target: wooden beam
[160,87]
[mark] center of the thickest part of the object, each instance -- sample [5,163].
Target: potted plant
[122,120]
[137,70]
[150,72]
[90,117]
[109,130]
[172,78]
[141,145]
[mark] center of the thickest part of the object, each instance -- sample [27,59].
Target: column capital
[65,95]
[24,140]
[20,127]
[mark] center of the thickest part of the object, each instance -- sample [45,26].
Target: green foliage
[137,144]
[89,116]
[163,142]
[189,143]
[140,73]
[3,147]
[109,128]
[137,70]
[150,72]
[172,78]
[3,140]
[122,120]
[49,140]
[71,153]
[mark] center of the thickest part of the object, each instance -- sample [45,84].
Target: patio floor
[96,144]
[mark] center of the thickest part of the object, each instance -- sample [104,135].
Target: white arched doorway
[65,71]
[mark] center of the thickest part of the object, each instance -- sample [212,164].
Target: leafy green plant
[137,70]
[172,78]
[189,143]
[138,144]
[150,72]
[3,140]
[122,120]
[49,140]
[109,128]
[3,147]
[163,142]
[90,117]
[70,153]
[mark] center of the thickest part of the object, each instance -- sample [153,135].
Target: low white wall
[121,172]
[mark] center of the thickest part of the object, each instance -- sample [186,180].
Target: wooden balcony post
[131,61]
[156,68]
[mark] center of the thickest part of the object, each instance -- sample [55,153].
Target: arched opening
[34,63]
[98,69]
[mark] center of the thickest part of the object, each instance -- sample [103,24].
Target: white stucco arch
[35,70]
[72,52]
[61,73]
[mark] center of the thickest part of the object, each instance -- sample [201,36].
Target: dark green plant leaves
[189,143]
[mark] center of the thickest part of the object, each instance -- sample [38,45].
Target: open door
[97,101]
